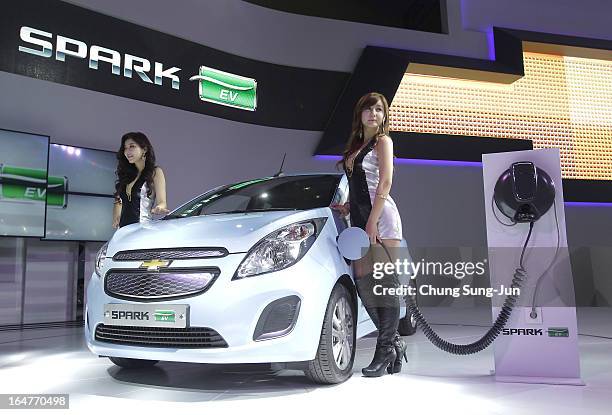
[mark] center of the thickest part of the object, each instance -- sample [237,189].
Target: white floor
[57,361]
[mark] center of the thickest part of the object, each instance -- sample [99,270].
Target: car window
[271,193]
[224,204]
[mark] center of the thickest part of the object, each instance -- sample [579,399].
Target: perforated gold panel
[562,101]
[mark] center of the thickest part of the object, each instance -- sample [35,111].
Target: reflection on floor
[57,361]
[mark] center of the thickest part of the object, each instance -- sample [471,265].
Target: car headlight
[280,249]
[100,258]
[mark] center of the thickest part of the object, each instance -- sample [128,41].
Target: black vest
[130,210]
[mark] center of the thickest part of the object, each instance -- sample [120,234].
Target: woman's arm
[159,182]
[384,149]
[116,213]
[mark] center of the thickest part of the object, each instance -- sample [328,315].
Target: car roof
[293,175]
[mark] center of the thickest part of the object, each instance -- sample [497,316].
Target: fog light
[278,318]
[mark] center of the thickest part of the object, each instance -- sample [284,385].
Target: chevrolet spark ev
[244,273]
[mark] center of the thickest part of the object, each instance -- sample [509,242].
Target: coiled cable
[520,275]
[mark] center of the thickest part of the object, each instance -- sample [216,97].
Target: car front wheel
[336,352]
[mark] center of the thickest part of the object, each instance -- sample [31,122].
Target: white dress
[146,204]
[363,182]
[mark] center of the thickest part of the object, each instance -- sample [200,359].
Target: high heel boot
[384,356]
[400,351]
[399,343]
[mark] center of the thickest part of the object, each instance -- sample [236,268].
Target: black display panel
[23,183]
[83,218]
[86,170]
[80,193]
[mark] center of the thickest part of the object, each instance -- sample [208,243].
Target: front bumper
[233,308]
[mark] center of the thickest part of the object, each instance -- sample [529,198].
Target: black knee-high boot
[364,289]
[400,345]
[387,309]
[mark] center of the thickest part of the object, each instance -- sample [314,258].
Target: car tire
[132,363]
[336,352]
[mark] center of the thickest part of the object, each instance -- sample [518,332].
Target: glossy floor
[57,361]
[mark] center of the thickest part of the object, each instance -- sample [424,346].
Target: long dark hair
[356,138]
[126,172]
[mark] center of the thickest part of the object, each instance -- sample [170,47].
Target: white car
[244,273]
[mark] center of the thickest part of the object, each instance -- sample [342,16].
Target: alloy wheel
[342,333]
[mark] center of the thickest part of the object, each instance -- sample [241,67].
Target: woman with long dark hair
[368,163]
[140,183]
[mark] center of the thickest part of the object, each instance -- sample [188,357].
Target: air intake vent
[186,338]
[174,253]
[278,318]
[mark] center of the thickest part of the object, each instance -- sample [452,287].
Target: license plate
[147,315]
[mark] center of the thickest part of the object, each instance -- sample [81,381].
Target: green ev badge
[558,332]
[227,89]
[165,315]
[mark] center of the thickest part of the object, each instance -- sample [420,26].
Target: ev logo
[28,185]
[226,89]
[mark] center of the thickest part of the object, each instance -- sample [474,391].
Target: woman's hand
[116,223]
[343,209]
[160,209]
[371,229]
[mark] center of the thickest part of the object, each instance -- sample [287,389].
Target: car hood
[237,232]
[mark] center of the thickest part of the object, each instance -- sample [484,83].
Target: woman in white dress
[368,163]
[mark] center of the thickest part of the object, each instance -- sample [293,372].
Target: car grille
[190,337]
[170,283]
[170,253]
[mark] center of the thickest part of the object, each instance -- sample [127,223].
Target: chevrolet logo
[155,264]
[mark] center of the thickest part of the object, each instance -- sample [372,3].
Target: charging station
[540,341]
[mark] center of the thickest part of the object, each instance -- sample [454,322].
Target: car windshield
[267,194]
